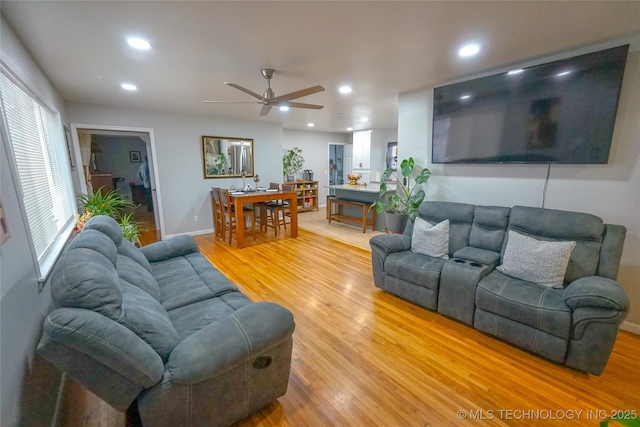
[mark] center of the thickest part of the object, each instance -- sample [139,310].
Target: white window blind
[38,146]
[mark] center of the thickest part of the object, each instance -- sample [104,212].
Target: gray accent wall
[609,191]
[183,188]
[315,150]
[28,384]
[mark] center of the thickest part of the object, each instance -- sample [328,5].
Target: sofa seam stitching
[247,342]
[115,349]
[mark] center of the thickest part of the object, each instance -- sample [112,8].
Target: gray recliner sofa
[576,324]
[161,326]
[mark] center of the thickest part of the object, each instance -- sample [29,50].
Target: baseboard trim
[634,328]
[190,233]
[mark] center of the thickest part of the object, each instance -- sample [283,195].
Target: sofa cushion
[143,315]
[134,273]
[536,261]
[107,226]
[418,269]
[128,249]
[85,275]
[194,317]
[430,240]
[188,279]
[489,227]
[549,224]
[524,302]
[460,216]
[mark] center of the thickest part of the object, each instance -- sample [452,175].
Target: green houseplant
[292,162]
[130,229]
[110,203]
[402,205]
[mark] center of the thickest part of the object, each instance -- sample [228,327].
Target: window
[41,171]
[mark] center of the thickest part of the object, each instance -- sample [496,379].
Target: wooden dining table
[262,196]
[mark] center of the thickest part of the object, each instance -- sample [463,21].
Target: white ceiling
[381,49]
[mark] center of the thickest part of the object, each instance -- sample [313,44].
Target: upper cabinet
[362,149]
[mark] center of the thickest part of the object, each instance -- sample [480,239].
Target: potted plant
[112,204]
[292,162]
[130,229]
[402,205]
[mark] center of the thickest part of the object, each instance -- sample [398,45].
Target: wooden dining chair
[216,207]
[229,217]
[278,211]
[261,210]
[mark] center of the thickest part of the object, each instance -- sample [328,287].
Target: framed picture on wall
[134,156]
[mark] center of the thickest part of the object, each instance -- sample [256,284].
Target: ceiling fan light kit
[269,99]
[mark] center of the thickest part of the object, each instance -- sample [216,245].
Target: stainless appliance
[307,175]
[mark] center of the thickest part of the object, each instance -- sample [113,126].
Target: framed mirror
[225,157]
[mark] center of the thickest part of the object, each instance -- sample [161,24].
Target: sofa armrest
[108,342]
[229,342]
[597,292]
[170,248]
[388,243]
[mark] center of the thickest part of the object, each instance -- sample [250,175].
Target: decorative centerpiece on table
[353,178]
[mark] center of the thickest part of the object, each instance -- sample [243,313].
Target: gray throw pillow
[536,261]
[431,240]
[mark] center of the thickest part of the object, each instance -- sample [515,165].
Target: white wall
[26,397]
[315,150]
[610,191]
[184,191]
[379,140]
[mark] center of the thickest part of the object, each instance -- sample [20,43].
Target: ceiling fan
[269,98]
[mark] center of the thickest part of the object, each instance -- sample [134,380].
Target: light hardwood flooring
[363,357]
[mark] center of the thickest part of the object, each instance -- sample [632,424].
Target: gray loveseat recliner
[576,325]
[162,326]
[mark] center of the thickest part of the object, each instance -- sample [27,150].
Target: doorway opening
[121,159]
[336,163]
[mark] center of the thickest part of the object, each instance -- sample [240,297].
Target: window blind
[38,147]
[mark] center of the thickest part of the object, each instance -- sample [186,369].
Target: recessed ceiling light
[349,129]
[128,86]
[284,108]
[564,73]
[310,125]
[469,50]
[516,71]
[345,89]
[465,97]
[364,119]
[139,43]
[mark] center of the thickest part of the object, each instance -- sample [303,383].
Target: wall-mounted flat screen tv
[559,112]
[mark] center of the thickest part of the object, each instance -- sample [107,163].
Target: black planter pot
[396,222]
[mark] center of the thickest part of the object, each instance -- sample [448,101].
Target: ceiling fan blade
[247,91]
[301,105]
[265,110]
[300,93]
[232,102]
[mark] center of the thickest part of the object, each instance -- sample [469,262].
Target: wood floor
[362,357]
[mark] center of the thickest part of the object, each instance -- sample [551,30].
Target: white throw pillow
[536,261]
[431,240]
